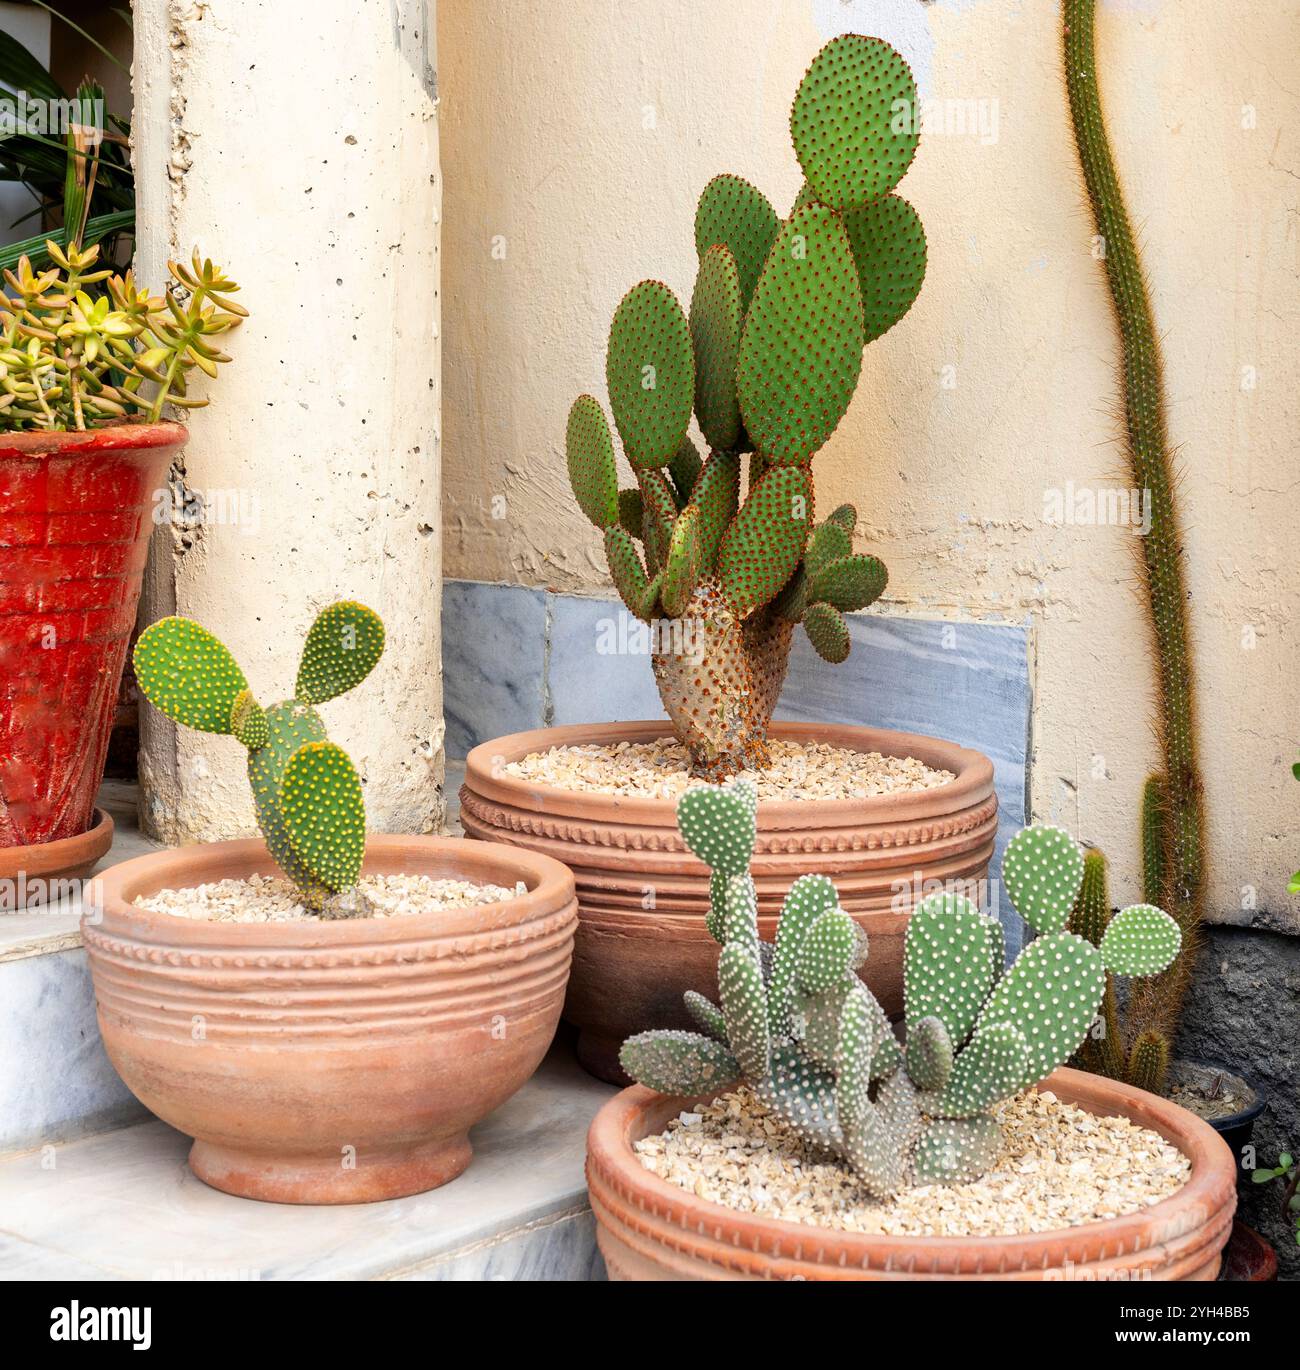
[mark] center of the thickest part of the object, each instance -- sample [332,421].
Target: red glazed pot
[632,964]
[331,1062]
[649,1229]
[75,518]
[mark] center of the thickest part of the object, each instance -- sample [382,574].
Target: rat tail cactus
[767,358]
[797,1025]
[306,791]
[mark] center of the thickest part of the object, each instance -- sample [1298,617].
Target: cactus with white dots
[801,1029]
[306,791]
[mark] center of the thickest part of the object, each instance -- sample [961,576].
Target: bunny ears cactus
[306,792]
[768,358]
[798,1026]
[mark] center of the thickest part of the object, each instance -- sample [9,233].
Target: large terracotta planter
[632,963]
[75,518]
[331,1062]
[649,1229]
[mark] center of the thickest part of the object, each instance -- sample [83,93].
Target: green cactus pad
[631,513]
[248,721]
[1091,911]
[889,248]
[744,1006]
[801,1094]
[650,600]
[806,900]
[801,348]
[715,919]
[929,1053]
[952,957]
[763,545]
[717,313]
[855,1048]
[852,582]
[707,1015]
[990,1067]
[625,567]
[659,513]
[341,650]
[650,372]
[791,603]
[956,1151]
[827,952]
[681,569]
[717,497]
[593,473]
[324,813]
[740,912]
[830,542]
[846,516]
[828,632]
[1140,940]
[684,471]
[290,725]
[737,215]
[678,1063]
[1051,994]
[1042,871]
[188,674]
[879,1145]
[719,826]
[844,122]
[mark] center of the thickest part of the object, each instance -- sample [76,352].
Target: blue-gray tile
[493,661]
[599,663]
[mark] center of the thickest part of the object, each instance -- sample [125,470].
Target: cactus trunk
[1157,1004]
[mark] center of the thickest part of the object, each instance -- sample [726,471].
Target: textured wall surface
[304,157]
[576,140]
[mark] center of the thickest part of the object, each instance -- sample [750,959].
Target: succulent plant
[306,791]
[81,348]
[797,1025]
[767,359]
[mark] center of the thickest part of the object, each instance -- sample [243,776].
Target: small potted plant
[961,1150]
[88,361]
[725,559]
[325,1015]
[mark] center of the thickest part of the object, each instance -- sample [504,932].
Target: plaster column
[297,145]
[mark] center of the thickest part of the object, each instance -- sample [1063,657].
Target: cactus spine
[768,359]
[1175,856]
[801,1029]
[306,791]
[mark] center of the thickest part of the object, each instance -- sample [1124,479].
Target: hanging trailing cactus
[767,358]
[306,791]
[796,1024]
[1172,819]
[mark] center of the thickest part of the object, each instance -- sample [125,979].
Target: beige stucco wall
[576,138]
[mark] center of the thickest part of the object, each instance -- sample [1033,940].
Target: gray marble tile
[493,650]
[126,1204]
[562,1247]
[55,1080]
[598,666]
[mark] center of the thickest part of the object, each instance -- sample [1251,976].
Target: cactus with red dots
[306,791]
[796,1024]
[767,359]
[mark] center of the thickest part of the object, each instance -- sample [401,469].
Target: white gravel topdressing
[660,770]
[272,899]
[1060,1166]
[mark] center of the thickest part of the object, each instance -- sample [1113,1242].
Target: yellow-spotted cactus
[797,1025]
[767,358]
[306,791]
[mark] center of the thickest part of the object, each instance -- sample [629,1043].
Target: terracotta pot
[1248,1258]
[649,1229]
[75,518]
[632,964]
[51,871]
[334,1062]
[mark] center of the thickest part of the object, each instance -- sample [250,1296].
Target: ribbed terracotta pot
[632,963]
[649,1229]
[331,1062]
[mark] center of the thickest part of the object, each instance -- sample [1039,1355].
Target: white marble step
[124,1205]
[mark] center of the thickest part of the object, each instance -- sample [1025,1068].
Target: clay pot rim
[40,860]
[973,770]
[550,887]
[1212,1186]
[113,437]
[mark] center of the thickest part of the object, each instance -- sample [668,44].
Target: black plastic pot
[1235,1128]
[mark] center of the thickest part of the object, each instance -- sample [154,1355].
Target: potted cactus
[727,551]
[88,361]
[325,1014]
[815,1049]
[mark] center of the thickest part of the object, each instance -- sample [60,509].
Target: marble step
[124,1205]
